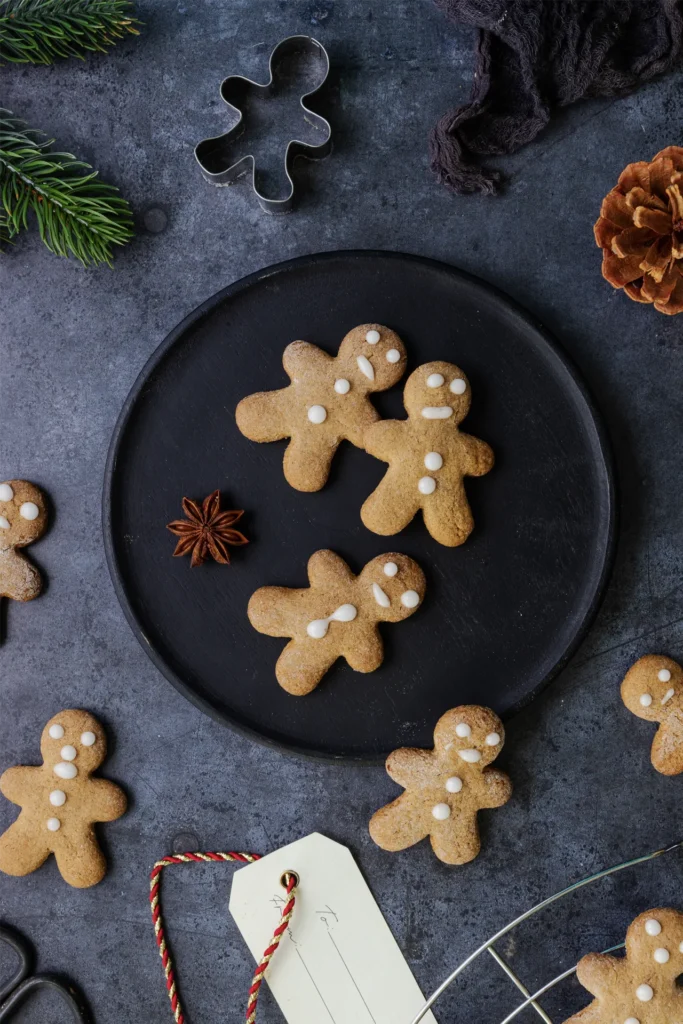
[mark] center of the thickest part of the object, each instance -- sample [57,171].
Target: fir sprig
[76,213]
[41,31]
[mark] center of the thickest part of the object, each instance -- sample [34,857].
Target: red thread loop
[289,879]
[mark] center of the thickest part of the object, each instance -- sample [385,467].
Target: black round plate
[502,613]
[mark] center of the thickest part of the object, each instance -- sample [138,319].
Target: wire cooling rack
[531,998]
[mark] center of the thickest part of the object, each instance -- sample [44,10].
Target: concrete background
[71,344]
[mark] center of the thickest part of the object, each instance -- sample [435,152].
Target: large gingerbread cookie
[23,520]
[337,616]
[428,458]
[327,401]
[639,988]
[445,787]
[653,689]
[60,802]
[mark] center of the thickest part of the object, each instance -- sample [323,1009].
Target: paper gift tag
[338,963]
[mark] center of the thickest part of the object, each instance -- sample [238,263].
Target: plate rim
[604,446]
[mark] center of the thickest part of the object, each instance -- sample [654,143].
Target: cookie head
[470,734]
[73,743]
[437,392]
[372,356]
[23,514]
[396,586]
[653,687]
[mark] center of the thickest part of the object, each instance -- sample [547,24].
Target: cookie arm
[498,788]
[599,973]
[263,416]
[410,766]
[275,610]
[478,456]
[385,438]
[17,783]
[328,569]
[399,824]
[106,801]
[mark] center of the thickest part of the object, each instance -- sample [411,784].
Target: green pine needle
[42,31]
[77,214]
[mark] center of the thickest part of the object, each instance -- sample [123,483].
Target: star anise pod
[207,530]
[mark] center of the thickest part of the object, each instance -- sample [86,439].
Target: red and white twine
[290,882]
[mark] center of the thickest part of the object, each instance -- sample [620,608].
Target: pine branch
[77,214]
[42,31]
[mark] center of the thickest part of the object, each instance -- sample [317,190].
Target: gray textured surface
[73,341]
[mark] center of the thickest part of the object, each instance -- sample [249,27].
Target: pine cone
[640,232]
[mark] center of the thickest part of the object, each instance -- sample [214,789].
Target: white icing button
[410,599]
[471,756]
[646,700]
[88,738]
[644,993]
[54,824]
[493,739]
[342,386]
[393,355]
[29,510]
[441,812]
[680,948]
[433,461]
[434,380]
[426,485]
[318,628]
[664,675]
[668,695]
[631,1020]
[69,753]
[365,366]
[4,523]
[661,955]
[55,732]
[372,337]
[653,927]
[317,414]
[390,569]
[380,597]
[57,797]
[437,412]
[463,730]
[454,784]
[458,386]
[6,492]
[65,770]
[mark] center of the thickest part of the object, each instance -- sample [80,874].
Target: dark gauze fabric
[535,55]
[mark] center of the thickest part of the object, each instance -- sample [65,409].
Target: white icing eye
[393,355]
[390,569]
[433,461]
[646,700]
[463,730]
[6,492]
[664,675]
[65,770]
[365,367]
[55,732]
[380,597]
[652,927]
[57,797]
[668,695]
[410,599]
[493,739]
[661,955]
[454,784]
[69,753]
[471,756]
[458,386]
[88,738]
[317,414]
[29,510]
[441,812]
[53,824]
[644,993]
[426,485]
[434,380]
[4,523]
[342,386]
[372,337]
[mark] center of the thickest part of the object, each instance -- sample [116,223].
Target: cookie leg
[448,516]
[367,653]
[456,841]
[21,850]
[300,667]
[390,507]
[19,578]
[307,467]
[398,825]
[81,864]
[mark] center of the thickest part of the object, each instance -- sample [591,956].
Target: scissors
[23,982]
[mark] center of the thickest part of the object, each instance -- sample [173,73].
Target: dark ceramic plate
[502,613]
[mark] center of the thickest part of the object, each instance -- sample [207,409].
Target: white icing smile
[437,412]
[65,770]
[318,628]
[379,596]
[6,492]
[668,695]
[365,366]
[471,756]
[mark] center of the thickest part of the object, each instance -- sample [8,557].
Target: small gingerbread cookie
[445,787]
[428,457]
[337,616]
[60,802]
[23,520]
[639,988]
[653,689]
[327,401]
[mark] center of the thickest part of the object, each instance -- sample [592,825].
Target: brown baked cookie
[327,401]
[653,689]
[60,802]
[639,988]
[337,616]
[445,787]
[23,519]
[428,457]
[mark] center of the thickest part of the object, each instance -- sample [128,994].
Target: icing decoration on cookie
[668,695]
[342,386]
[661,955]
[393,355]
[653,927]
[372,337]
[88,738]
[57,797]
[6,492]
[23,521]
[434,380]
[433,461]
[645,700]
[318,628]
[317,414]
[54,824]
[66,770]
[645,993]
[29,510]
[441,812]
[463,731]
[390,568]
[437,412]
[69,753]
[493,739]
[365,366]
[283,612]
[664,675]
[4,523]
[56,732]
[454,784]
[653,689]
[458,386]
[426,485]
[471,756]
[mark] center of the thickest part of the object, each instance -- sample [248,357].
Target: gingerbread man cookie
[326,402]
[639,988]
[445,787]
[337,616]
[23,519]
[653,689]
[428,457]
[60,802]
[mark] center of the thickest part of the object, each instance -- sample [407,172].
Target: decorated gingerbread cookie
[60,802]
[337,616]
[653,689]
[23,520]
[639,988]
[327,401]
[445,787]
[428,458]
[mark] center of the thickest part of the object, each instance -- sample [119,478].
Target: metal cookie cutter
[211,153]
[23,982]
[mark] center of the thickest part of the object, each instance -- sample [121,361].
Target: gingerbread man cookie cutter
[653,689]
[23,520]
[210,153]
[25,983]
